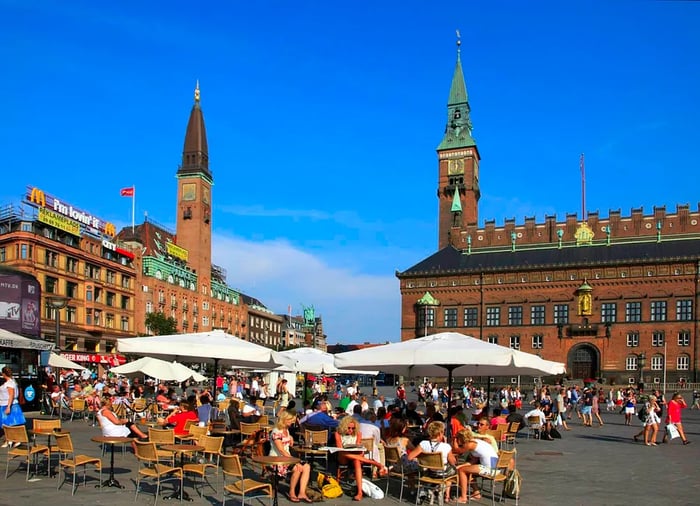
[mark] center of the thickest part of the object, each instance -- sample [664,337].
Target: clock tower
[194,182]
[458,167]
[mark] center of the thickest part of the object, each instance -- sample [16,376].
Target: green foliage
[161,325]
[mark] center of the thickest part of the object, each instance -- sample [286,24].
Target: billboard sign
[20,305]
[41,199]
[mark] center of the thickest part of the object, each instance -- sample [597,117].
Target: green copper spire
[456,203]
[458,132]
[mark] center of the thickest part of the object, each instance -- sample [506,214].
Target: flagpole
[133,209]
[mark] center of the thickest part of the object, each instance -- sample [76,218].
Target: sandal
[475,495]
[293,499]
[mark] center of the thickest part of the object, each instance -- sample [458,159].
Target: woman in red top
[674,416]
[180,417]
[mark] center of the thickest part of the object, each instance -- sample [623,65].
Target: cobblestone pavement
[589,466]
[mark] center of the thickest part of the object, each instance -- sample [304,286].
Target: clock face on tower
[189,191]
[455,167]
[205,195]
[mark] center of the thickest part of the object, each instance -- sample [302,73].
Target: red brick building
[613,297]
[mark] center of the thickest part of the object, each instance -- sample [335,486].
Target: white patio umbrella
[159,369]
[63,363]
[314,361]
[12,340]
[451,352]
[216,345]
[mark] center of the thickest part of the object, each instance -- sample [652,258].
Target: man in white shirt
[351,405]
[545,425]
[378,403]
[370,431]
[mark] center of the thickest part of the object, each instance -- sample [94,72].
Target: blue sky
[323,118]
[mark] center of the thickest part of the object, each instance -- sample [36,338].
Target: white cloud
[355,306]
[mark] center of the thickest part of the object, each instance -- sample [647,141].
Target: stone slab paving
[589,466]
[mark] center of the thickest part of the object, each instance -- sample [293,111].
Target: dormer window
[457,115]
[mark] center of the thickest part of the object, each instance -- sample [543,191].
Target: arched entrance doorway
[584,362]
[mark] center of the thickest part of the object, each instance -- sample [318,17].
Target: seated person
[514,416]
[234,416]
[500,419]
[482,462]
[249,413]
[545,424]
[179,418]
[280,443]
[396,437]
[205,410]
[436,443]
[112,426]
[482,427]
[412,416]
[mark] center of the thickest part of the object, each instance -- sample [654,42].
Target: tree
[160,325]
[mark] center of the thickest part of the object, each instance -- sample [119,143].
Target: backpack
[330,488]
[643,413]
[511,487]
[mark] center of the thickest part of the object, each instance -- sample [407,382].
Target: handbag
[672,431]
[372,489]
[330,487]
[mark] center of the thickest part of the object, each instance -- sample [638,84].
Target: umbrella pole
[488,394]
[306,375]
[216,373]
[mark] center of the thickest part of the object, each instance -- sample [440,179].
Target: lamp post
[642,362]
[57,302]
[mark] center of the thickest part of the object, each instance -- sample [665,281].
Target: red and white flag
[127,192]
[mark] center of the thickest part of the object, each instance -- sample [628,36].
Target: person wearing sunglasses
[348,435]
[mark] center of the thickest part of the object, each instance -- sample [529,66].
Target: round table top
[309,449]
[275,461]
[225,431]
[112,439]
[184,448]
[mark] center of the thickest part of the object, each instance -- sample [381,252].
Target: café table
[111,441]
[182,449]
[268,460]
[312,452]
[228,439]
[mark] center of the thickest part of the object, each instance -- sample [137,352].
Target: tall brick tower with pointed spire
[458,174]
[194,197]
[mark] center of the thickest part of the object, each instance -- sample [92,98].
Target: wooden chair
[211,453]
[78,408]
[392,459]
[231,468]
[263,421]
[504,459]
[68,459]
[430,468]
[510,435]
[149,466]
[26,450]
[316,438]
[271,409]
[188,427]
[138,409]
[163,437]
[248,429]
[196,432]
[534,426]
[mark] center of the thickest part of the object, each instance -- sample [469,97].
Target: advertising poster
[19,305]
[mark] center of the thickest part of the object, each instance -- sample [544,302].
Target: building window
[110,298]
[88,294]
[111,277]
[98,318]
[205,321]
[493,339]
[633,312]
[683,362]
[149,307]
[515,342]
[515,315]
[684,338]
[109,321]
[125,323]
[537,315]
[92,271]
[451,317]
[125,302]
[205,305]
[657,362]
[632,339]
[684,310]
[23,252]
[426,316]
[658,311]
[71,314]
[608,312]
[3,254]
[50,284]
[51,258]
[657,338]
[126,281]
[537,341]
[471,317]
[71,264]
[493,316]
[561,314]
[88,316]
[631,363]
[72,290]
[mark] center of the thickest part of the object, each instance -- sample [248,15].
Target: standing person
[560,401]
[595,408]
[696,400]
[281,441]
[629,407]
[675,406]
[10,411]
[283,394]
[401,396]
[651,423]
